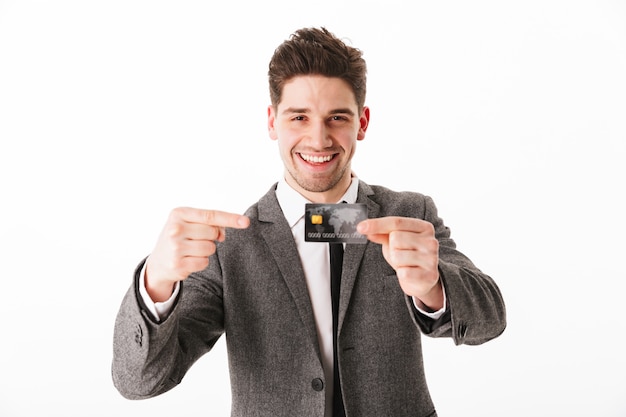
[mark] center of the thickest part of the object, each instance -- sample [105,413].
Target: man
[269,289]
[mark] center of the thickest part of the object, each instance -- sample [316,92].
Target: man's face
[317,125]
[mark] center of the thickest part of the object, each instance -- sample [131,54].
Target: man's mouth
[316,159]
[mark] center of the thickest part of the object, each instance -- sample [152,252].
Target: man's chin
[318,185]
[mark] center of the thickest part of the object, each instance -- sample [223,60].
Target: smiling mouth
[314,159]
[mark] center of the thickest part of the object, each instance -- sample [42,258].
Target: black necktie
[336,261]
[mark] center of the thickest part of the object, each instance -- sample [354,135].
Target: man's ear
[364,121]
[271,120]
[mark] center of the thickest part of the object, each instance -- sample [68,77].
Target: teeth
[316,159]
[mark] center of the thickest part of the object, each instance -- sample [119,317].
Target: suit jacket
[254,291]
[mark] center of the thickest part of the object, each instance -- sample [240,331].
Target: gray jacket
[254,291]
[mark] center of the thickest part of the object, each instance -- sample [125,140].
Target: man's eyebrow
[293,110]
[342,111]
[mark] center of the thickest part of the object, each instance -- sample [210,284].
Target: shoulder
[399,203]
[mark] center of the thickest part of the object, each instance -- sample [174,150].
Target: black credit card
[334,223]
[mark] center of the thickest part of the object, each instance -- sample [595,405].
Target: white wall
[510,114]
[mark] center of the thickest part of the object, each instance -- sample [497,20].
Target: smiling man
[313,328]
[317,124]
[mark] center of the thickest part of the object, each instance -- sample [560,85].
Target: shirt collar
[292,202]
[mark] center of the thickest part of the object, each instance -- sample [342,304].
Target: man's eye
[299,118]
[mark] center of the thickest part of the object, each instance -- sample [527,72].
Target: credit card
[334,223]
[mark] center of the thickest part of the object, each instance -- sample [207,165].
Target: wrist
[433,300]
[158,290]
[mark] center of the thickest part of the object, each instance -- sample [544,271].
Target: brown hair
[313,51]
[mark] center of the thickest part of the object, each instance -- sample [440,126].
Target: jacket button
[139,335]
[317,384]
[462,330]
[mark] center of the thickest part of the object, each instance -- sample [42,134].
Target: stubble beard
[320,184]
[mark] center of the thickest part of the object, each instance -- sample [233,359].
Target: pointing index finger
[214,218]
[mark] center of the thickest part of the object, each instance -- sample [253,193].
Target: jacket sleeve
[151,357]
[475,312]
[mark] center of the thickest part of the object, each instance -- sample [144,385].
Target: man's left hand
[410,247]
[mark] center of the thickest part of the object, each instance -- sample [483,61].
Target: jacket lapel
[353,254]
[280,241]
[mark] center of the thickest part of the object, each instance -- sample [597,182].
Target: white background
[511,115]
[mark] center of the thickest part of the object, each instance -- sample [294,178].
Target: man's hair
[313,51]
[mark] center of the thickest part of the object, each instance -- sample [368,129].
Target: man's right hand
[184,246]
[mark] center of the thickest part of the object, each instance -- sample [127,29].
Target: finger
[403,258]
[195,231]
[413,240]
[198,248]
[212,217]
[397,239]
[386,225]
[382,239]
[194,263]
[413,249]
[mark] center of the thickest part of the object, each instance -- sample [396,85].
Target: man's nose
[319,136]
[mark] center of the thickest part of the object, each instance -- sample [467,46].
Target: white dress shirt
[315,260]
